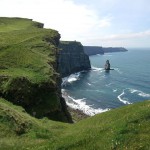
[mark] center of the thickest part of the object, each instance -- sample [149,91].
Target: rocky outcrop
[107,65]
[93,50]
[72,58]
[39,99]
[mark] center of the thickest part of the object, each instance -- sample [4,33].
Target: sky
[107,23]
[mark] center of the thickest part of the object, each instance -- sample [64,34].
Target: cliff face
[93,50]
[72,58]
[114,49]
[28,68]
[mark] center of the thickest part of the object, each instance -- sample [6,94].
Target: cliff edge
[94,50]
[28,68]
[114,49]
[72,58]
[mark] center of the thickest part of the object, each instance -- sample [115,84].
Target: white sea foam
[109,84]
[107,55]
[118,70]
[97,69]
[140,93]
[89,84]
[70,79]
[64,81]
[123,100]
[81,105]
[132,91]
[115,90]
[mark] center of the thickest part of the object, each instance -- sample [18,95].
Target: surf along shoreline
[77,107]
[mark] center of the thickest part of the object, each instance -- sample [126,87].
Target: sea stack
[107,65]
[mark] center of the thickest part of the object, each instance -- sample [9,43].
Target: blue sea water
[96,91]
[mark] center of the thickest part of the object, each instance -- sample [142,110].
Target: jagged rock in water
[107,65]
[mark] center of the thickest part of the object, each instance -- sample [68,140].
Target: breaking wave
[81,105]
[123,99]
[140,93]
[71,78]
[129,92]
[97,69]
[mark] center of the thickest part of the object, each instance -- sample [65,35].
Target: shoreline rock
[76,114]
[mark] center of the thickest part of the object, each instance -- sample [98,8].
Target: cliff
[28,68]
[114,49]
[93,50]
[72,58]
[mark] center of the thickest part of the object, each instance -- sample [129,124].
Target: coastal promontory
[29,74]
[94,50]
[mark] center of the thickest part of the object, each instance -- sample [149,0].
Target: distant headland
[94,50]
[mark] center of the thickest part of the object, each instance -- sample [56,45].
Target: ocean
[97,91]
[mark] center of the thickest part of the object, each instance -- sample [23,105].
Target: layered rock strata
[72,58]
[93,50]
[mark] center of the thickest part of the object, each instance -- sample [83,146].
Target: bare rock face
[93,50]
[113,49]
[107,65]
[72,58]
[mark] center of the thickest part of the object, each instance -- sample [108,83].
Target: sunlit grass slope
[28,67]
[19,131]
[124,128]
[26,49]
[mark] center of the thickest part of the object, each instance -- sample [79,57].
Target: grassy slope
[18,130]
[28,74]
[24,50]
[123,128]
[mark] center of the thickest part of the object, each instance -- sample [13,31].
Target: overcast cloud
[97,22]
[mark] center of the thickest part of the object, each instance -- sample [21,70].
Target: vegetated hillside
[123,128]
[28,68]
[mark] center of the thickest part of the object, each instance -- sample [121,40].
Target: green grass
[118,129]
[26,50]
[18,130]
[9,24]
